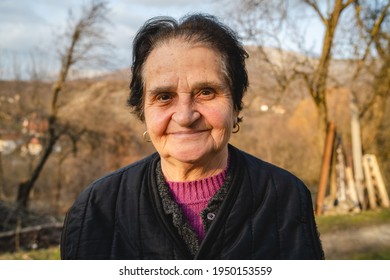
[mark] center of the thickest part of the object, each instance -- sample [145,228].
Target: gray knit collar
[178,219]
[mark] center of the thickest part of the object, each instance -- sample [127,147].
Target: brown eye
[164,97]
[206,93]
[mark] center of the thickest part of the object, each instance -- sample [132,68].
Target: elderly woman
[198,197]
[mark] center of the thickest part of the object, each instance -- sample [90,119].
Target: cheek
[156,122]
[221,120]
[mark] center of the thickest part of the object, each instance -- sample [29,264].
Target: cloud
[26,25]
[128,16]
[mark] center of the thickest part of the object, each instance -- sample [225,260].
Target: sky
[32,26]
[28,27]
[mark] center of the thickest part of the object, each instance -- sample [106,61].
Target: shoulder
[265,170]
[129,170]
[268,180]
[102,193]
[93,212]
[285,197]
[111,182]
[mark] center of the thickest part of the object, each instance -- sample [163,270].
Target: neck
[178,171]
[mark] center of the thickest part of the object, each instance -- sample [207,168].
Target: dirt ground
[338,245]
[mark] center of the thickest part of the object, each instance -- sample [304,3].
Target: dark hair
[197,28]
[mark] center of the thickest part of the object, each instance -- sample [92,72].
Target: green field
[352,221]
[375,248]
[52,253]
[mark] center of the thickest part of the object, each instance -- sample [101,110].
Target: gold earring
[146,136]
[236,128]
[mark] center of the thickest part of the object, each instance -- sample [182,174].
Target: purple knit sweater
[193,197]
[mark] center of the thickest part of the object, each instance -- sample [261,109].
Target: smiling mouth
[188,133]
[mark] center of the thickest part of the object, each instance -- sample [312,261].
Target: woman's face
[188,105]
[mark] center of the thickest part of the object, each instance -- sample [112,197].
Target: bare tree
[281,20]
[317,81]
[373,21]
[266,22]
[80,44]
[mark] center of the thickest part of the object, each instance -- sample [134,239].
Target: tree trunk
[320,77]
[83,36]
[322,111]
[373,116]
[25,188]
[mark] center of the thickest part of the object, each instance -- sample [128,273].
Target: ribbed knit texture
[193,197]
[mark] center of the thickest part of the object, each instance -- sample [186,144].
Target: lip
[188,133]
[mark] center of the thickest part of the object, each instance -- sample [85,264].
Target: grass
[332,224]
[344,222]
[383,254]
[52,253]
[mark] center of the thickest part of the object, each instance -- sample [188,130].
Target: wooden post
[357,152]
[326,159]
[351,187]
[377,180]
[369,183]
[340,169]
[351,190]
[333,180]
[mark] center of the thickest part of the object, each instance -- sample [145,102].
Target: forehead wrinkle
[196,84]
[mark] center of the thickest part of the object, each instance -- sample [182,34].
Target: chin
[190,156]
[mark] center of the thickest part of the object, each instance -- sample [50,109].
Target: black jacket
[266,214]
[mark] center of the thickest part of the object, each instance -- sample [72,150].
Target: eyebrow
[196,86]
[160,89]
[211,84]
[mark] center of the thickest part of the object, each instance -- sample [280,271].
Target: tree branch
[317,10]
[376,29]
[349,2]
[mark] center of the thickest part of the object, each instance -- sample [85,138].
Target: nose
[185,112]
